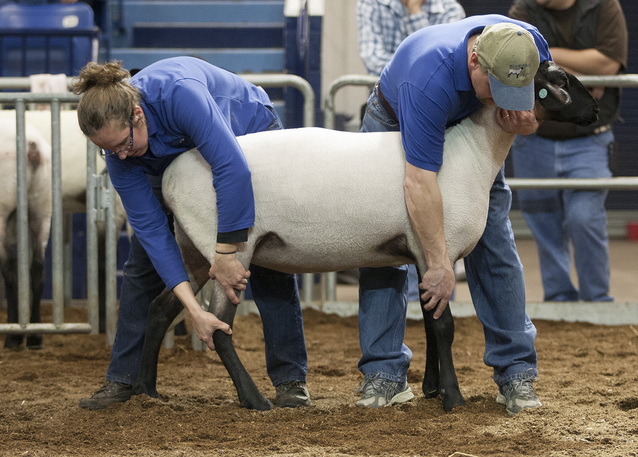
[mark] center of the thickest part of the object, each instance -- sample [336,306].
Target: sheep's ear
[550,86]
[551,96]
[562,96]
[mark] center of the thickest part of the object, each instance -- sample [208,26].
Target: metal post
[22,222]
[92,183]
[57,223]
[110,253]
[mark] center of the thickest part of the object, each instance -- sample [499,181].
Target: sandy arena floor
[588,384]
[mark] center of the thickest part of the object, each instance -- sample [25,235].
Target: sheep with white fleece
[73,145]
[39,203]
[328,201]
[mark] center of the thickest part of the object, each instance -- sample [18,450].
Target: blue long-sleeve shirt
[187,104]
[427,84]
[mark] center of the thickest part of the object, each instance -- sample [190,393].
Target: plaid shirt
[384,24]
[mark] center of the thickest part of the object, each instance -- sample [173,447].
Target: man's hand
[205,324]
[520,122]
[414,6]
[231,275]
[436,289]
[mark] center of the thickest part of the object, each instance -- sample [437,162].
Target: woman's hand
[205,324]
[229,271]
[520,122]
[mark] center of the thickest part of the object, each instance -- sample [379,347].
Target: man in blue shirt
[383,25]
[143,124]
[438,76]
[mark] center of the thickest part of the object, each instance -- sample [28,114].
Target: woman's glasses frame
[125,148]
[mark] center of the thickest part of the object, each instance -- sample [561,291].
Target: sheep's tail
[34,156]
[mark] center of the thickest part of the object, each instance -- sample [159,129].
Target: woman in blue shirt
[142,124]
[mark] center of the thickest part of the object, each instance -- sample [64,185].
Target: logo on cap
[510,56]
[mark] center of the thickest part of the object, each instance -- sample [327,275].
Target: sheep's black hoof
[262,404]
[430,387]
[451,400]
[139,388]
[13,341]
[34,342]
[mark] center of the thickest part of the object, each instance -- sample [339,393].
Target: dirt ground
[588,385]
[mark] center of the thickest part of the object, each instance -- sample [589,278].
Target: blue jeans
[276,296]
[558,217]
[495,278]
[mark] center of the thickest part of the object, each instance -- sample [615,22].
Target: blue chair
[49,38]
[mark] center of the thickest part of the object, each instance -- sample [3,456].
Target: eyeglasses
[125,148]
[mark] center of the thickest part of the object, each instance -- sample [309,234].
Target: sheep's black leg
[431,377]
[10,274]
[161,313]
[101,256]
[37,286]
[248,393]
[443,330]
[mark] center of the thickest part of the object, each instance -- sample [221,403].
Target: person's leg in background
[585,216]
[536,157]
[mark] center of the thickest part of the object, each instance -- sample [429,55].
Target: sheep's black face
[563,97]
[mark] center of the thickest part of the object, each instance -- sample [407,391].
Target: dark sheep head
[562,97]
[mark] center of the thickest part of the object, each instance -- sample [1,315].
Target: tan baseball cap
[510,56]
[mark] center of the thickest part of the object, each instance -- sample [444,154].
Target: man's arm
[585,61]
[425,207]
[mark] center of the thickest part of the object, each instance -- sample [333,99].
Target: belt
[386,106]
[602,129]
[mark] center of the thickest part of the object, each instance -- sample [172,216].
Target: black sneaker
[292,394]
[109,393]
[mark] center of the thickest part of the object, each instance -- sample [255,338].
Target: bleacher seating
[248,36]
[49,38]
[226,33]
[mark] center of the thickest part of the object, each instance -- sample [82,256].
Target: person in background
[586,37]
[383,25]
[438,76]
[142,124]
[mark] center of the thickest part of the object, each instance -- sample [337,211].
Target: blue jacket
[189,103]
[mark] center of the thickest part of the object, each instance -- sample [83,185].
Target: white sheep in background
[39,203]
[328,201]
[73,146]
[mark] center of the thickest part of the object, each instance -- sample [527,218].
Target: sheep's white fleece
[73,147]
[335,198]
[38,188]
